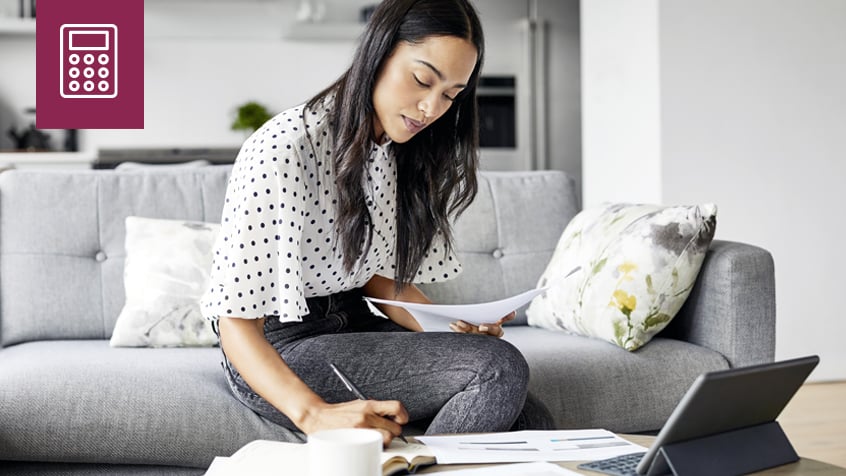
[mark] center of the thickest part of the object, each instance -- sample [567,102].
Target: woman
[351,195]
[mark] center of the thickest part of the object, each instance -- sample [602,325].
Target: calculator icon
[89,61]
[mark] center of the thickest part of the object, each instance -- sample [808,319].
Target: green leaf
[598,266]
[655,319]
[570,239]
[617,218]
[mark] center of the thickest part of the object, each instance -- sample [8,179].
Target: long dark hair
[436,169]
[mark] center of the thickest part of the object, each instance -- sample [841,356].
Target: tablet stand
[734,452]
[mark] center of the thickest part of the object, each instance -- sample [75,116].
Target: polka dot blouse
[278,244]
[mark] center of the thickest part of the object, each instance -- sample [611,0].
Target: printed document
[528,446]
[518,469]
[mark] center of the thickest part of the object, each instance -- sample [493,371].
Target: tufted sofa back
[62,242]
[62,239]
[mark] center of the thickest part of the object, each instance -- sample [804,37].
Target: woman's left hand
[493,329]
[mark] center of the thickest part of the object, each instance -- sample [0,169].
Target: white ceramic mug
[348,452]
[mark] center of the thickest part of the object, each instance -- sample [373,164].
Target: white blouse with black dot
[278,244]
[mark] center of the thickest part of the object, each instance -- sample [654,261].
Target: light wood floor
[815,422]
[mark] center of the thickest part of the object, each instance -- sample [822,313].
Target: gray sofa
[70,404]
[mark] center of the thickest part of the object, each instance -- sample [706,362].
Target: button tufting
[100,256]
[497,253]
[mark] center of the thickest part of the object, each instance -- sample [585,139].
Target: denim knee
[506,363]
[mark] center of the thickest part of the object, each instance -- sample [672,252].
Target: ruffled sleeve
[257,270]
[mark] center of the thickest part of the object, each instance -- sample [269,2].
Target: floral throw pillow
[165,274]
[638,265]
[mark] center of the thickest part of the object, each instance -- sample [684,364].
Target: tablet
[732,399]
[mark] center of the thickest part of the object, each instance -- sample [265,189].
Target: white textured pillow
[166,272]
[638,265]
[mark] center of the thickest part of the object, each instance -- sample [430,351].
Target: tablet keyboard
[625,465]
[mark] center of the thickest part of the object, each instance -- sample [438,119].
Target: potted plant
[251,115]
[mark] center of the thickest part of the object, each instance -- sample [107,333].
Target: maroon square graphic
[90,64]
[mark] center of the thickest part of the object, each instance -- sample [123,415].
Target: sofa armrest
[732,308]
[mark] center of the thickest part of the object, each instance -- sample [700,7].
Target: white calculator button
[73,72]
[103,58]
[88,73]
[73,58]
[103,72]
[103,86]
[88,86]
[73,86]
[88,58]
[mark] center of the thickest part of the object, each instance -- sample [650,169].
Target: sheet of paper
[218,467]
[528,446]
[437,317]
[519,469]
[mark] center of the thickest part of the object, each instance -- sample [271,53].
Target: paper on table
[529,445]
[436,317]
[519,469]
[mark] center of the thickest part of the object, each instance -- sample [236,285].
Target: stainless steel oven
[503,135]
[497,113]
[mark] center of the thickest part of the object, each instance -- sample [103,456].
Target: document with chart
[528,446]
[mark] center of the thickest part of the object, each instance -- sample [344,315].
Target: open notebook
[265,457]
[399,458]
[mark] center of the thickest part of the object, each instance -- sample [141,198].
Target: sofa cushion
[638,264]
[165,273]
[85,402]
[589,383]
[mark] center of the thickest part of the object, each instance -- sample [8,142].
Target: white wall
[621,126]
[755,120]
[753,117]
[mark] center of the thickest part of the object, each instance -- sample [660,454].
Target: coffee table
[804,466]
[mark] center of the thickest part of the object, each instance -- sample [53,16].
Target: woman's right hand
[385,416]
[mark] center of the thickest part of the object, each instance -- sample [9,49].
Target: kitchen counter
[110,158]
[64,160]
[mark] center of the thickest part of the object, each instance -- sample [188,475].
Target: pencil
[352,388]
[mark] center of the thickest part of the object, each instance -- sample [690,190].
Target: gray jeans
[448,382]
